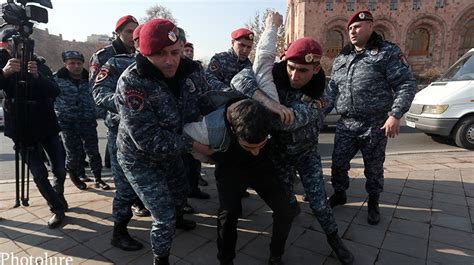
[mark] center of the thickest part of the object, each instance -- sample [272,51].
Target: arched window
[334,43]
[329,5]
[416,4]
[350,5]
[420,43]
[467,38]
[393,5]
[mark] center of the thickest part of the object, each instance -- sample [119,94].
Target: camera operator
[42,125]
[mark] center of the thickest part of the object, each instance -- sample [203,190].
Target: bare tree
[158,11]
[257,25]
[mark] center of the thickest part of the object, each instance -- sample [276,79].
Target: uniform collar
[146,69]
[374,42]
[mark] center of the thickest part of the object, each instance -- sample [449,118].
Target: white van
[446,107]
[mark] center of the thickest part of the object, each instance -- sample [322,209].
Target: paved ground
[427,218]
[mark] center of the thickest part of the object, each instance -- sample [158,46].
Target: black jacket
[35,111]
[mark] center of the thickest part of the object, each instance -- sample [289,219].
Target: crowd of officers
[260,126]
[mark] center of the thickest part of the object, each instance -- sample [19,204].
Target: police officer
[299,81]
[371,87]
[152,100]
[76,113]
[223,66]
[123,44]
[42,129]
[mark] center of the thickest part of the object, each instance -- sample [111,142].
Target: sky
[208,23]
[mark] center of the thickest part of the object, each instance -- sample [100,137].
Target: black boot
[76,181]
[122,240]
[184,224]
[275,260]
[161,260]
[99,183]
[343,254]
[56,220]
[373,216]
[188,209]
[338,198]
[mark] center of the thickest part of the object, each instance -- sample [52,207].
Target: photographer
[36,111]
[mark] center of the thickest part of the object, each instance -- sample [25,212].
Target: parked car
[446,107]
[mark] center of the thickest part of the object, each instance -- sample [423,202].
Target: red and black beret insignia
[134,99]
[104,72]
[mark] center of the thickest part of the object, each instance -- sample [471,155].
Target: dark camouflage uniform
[364,88]
[75,109]
[297,144]
[150,142]
[222,68]
[103,92]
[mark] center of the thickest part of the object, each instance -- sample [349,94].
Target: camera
[21,13]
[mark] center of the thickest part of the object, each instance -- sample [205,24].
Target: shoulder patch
[214,66]
[404,60]
[134,99]
[191,86]
[102,75]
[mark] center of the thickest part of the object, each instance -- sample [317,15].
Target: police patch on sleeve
[404,60]
[214,66]
[102,75]
[134,99]
[190,84]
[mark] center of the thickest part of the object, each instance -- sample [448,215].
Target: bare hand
[33,68]
[273,19]
[391,127]
[202,149]
[12,67]
[286,114]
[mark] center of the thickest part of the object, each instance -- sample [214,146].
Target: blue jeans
[56,155]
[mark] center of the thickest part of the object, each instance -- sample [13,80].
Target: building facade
[432,33]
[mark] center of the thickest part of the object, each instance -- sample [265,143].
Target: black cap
[72,55]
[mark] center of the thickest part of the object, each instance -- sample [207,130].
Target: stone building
[432,33]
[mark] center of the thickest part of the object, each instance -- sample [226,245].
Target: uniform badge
[309,57]
[251,36]
[191,86]
[134,99]
[104,72]
[404,60]
[214,66]
[361,15]
[172,36]
[374,51]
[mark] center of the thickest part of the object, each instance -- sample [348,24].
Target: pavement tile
[451,221]
[10,246]
[363,254]
[471,213]
[460,165]
[78,253]
[409,201]
[255,247]
[403,244]
[205,254]
[387,257]
[314,241]
[118,256]
[448,254]
[186,243]
[97,260]
[420,185]
[413,214]
[388,197]
[365,234]
[438,188]
[470,201]
[345,213]
[417,193]
[449,198]
[452,237]
[299,256]
[425,175]
[385,220]
[452,209]
[411,228]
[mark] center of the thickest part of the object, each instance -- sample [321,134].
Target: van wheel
[464,133]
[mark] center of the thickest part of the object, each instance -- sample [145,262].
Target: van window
[463,70]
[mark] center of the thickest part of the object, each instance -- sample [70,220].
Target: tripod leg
[25,201]
[17,178]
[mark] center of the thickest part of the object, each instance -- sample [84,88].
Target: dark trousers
[56,155]
[193,171]
[230,183]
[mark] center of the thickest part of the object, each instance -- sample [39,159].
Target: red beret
[189,45]
[242,33]
[304,51]
[124,21]
[157,34]
[136,32]
[360,16]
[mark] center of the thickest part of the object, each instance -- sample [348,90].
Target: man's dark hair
[251,121]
